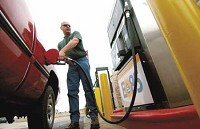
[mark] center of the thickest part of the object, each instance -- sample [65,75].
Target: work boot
[94,123]
[73,125]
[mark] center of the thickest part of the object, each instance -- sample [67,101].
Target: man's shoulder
[77,34]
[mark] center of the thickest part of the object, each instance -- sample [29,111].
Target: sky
[90,18]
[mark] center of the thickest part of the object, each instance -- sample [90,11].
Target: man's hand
[62,57]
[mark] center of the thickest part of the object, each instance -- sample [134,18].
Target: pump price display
[126,84]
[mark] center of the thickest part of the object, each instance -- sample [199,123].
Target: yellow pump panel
[106,96]
[179,21]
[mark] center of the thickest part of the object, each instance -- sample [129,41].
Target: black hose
[135,80]
[134,91]
[133,97]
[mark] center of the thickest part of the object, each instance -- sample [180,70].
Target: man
[72,46]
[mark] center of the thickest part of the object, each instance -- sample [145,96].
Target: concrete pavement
[61,121]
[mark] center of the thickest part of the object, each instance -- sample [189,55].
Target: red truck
[28,86]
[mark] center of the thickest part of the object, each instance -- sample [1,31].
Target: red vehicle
[28,86]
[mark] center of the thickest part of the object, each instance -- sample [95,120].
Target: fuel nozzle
[51,57]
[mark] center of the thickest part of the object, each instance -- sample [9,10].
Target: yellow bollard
[106,96]
[98,99]
[179,21]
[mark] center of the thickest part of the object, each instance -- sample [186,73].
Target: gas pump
[161,87]
[160,83]
[150,91]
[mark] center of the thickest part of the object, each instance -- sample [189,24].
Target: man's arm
[71,44]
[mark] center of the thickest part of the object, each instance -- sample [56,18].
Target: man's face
[66,28]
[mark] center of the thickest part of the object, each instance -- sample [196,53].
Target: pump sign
[126,84]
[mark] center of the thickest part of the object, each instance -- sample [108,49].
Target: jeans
[74,76]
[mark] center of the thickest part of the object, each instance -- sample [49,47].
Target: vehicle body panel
[23,72]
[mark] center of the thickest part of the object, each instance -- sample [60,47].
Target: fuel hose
[52,56]
[126,115]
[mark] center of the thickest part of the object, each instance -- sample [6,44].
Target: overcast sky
[89,17]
